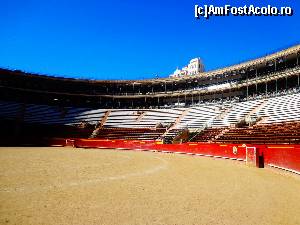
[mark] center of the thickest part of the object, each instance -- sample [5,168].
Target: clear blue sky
[127,39]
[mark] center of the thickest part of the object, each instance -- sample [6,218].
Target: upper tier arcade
[272,73]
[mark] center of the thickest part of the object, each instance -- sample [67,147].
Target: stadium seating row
[283,133]
[153,123]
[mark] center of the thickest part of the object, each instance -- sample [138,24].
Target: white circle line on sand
[26,189]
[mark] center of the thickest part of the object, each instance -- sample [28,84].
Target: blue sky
[127,39]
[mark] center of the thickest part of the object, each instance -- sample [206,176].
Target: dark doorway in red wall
[261,161]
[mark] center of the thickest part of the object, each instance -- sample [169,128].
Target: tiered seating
[54,115]
[44,114]
[198,117]
[169,136]
[151,118]
[280,109]
[130,133]
[240,110]
[207,135]
[273,111]
[9,110]
[288,132]
[165,116]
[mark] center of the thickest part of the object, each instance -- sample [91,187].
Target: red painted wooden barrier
[279,156]
[282,156]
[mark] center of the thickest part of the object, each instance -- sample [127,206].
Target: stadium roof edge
[284,52]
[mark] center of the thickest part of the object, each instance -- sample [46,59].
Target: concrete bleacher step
[277,110]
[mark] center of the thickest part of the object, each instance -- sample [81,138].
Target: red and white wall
[285,157]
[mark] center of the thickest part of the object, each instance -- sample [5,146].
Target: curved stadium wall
[256,103]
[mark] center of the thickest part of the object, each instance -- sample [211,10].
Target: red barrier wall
[216,150]
[282,156]
[279,156]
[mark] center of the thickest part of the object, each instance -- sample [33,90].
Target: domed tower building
[193,68]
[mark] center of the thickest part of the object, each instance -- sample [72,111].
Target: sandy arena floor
[80,186]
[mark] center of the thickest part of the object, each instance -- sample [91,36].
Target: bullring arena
[92,186]
[216,147]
